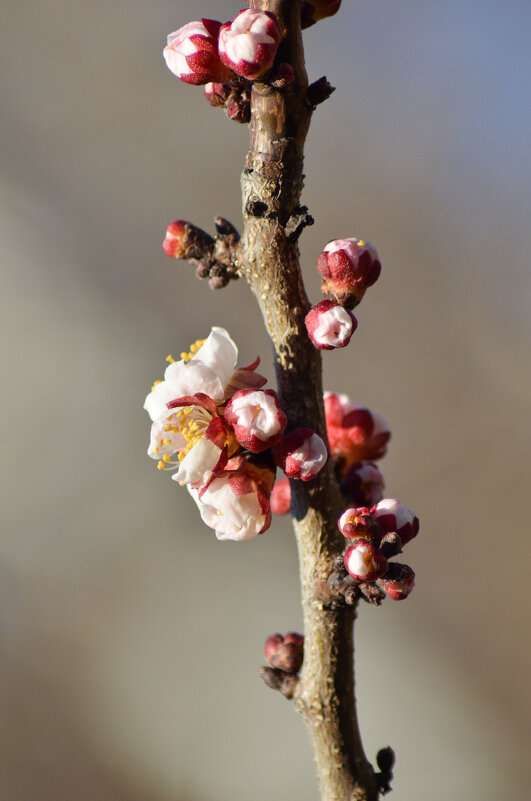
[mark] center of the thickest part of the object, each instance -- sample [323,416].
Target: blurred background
[129,637]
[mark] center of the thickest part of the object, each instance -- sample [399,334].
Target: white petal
[188,378]
[219,353]
[200,460]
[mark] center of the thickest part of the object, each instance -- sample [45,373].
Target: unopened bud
[329,325]
[314,10]
[348,268]
[398,582]
[285,653]
[186,241]
[256,417]
[192,53]
[356,524]
[364,562]
[249,43]
[281,497]
[354,432]
[363,484]
[393,516]
[301,454]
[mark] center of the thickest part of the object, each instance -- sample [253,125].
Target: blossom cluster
[222,436]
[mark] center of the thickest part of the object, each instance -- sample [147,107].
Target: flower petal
[200,460]
[219,353]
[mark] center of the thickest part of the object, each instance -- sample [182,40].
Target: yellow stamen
[361,243]
[166,458]
[193,350]
[160,465]
[169,358]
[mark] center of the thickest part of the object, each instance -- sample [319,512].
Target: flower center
[191,423]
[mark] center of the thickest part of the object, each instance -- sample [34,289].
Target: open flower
[188,433]
[236,501]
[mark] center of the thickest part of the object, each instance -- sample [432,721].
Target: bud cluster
[214,257]
[378,533]
[348,267]
[226,58]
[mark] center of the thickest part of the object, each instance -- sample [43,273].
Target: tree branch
[268,257]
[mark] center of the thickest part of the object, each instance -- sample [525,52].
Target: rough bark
[268,257]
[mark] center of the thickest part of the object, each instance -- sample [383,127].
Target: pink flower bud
[281,497]
[348,267]
[314,10]
[256,417]
[359,523]
[301,454]
[364,562]
[329,325]
[192,53]
[249,43]
[393,516]
[363,484]
[354,432]
[285,653]
[398,582]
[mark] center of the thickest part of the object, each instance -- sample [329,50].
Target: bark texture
[268,257]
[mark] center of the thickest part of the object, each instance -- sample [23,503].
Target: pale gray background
[130,637]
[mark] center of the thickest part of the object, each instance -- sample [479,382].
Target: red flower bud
[329,325]
[398,582]
[393,516]
[356,524]
[364,562]
[281,497]
[285,653]
[256,417]
[348,267]
[301,454]
[363,484]
[354,432]
[186,241]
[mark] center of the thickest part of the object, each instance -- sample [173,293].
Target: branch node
[385,759]
[256,208]
[298,222]
[319,91]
